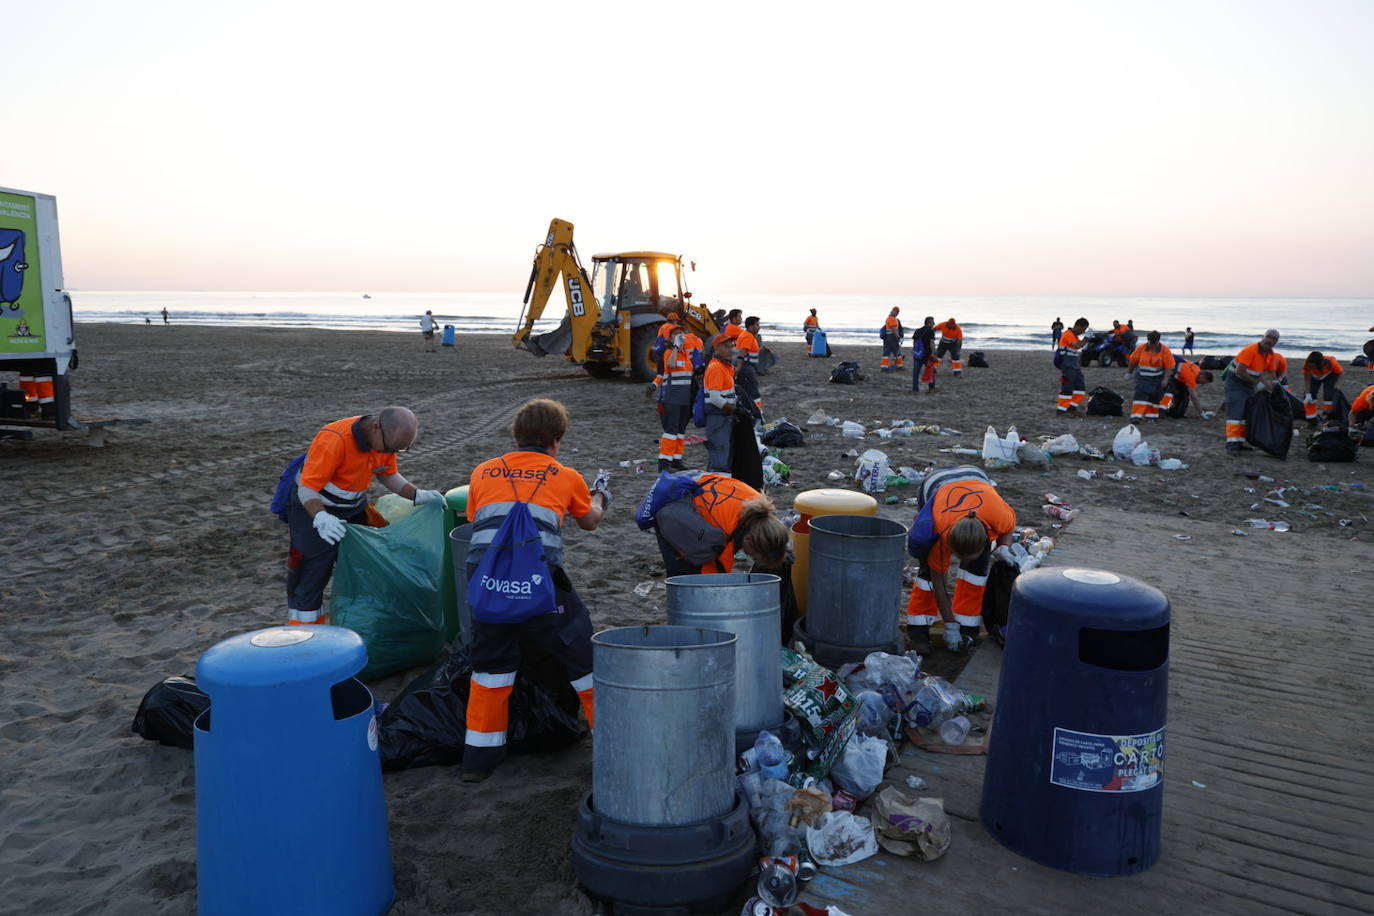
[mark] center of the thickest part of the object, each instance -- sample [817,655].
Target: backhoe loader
[614,316]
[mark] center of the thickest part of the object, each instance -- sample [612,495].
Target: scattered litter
[852,453]
[1053,500]
[1263,479]
[1087,475]
[644,588]
[1062,445]
[1251,490]
[818,418]
[916,782]
[1064,513]
[1144,455]
[1183,537]
[1278,502]
[852,430]
[1345,523]
[1265,523]
[835,475]
[1127,438]
[1032,455]
[873,471]
[1117,475]
[1244,534]
[1198,784]
[998,451]
[1089,451]
[1172,464]
[1208,414]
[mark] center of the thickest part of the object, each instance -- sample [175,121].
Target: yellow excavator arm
[554,261]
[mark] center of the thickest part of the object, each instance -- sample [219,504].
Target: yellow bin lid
[833,501]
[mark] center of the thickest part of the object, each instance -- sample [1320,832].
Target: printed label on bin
[372,734]
[1107,763]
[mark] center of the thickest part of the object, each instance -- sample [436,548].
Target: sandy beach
[126,562]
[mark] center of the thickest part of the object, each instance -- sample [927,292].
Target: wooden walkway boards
[1269,767]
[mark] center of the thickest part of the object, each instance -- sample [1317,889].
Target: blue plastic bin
[289,807]
[1075,770]
[448,335]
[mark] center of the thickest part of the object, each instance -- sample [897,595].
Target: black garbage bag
[1340,408]
[1269,421]
[426,724]
[1104,402]
[746,464]
[785,435]
[846,373]
[1332,444]
[997,600]
[169,710]
[977,360]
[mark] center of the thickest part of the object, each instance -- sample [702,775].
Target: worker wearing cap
[665,333]
[1072,387]
[892,342]
[951,346]
[1187,376]
[747,368]
[1153,366]
[1255,366]
[721,402]
[331,492]
[674,401]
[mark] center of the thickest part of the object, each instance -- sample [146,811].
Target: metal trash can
[665,828]
[1075,771]
[855,587]
[748,605]
[290,816]
[809,504]
[459,540]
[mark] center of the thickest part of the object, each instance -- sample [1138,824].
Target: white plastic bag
[1172,464]
[873,471]
[841,838]
[1032,455]
[819,418]
[1127,438]
[859,769]
[852,430]
[1144,454]
[1062,445]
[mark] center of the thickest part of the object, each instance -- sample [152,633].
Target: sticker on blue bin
[372,734]
[1107,763]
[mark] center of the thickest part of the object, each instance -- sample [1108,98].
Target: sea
[1221,325]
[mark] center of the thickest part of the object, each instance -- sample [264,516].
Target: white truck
[37,339]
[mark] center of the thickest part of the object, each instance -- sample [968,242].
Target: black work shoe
[676,465]
[664,464]
[473,776]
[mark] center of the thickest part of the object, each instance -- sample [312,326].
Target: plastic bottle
[874,713]
[771,755]
[1265,523]
[954,730]
[778,880]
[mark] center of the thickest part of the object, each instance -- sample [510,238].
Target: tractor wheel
[600,370]
[642,365]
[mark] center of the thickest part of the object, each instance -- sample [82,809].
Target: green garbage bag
[386,589]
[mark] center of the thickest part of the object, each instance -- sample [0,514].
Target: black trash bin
[1075,771]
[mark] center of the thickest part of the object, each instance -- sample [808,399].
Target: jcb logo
[575,296]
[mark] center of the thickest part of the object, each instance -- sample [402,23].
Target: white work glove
[427,496]
[954,637]
[602,485]
[330,527]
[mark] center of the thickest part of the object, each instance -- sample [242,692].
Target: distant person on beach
[331,492]
[1187,341]
[148,322]
[1153,367]
[530,474]
[164,316]
[923,361]
[1321,374]
[1183,388]
[809,327]
[1056,331]
[1072,386]
[892,342]
[951,346]
[1255,366]
[961,515]
[721,403]
[427,326]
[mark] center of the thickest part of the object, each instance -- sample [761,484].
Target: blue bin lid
[1093,598]
[278,656]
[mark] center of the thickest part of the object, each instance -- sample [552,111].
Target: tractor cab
[638,283]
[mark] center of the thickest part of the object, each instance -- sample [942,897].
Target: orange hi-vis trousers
[968,594]
[1147,400]
[566,636]
[1237,393]
[1072,387]
[1323,388]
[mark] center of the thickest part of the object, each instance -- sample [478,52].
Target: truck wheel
[642,365]
[600,370]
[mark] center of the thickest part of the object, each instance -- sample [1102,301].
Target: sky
[1031,147]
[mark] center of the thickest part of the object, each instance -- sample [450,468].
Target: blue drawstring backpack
[281,497]
[667,488]
[512,582]
[699,407]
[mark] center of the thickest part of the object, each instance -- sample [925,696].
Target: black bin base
[833,656]
[664,871]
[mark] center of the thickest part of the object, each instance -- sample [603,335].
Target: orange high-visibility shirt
[954,501]
[340,460]
[1332,366]
[1364,400]
[720,502]
[1251,358]
[733,330]
[891,323]
[1187,373]
[1152,363]
[1069,340]
[720,376]
[747,347]
[810,322]
[559,488]
[951,331]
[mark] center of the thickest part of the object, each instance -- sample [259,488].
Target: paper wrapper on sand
[907,827]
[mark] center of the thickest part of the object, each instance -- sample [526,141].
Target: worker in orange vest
[1255,366]
[721,403]
[674,402]
[1153,366]
[892,342]
[1187,376]
[533,475]
[810,326]
[951,346]
[1072,387]
[1320,373]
